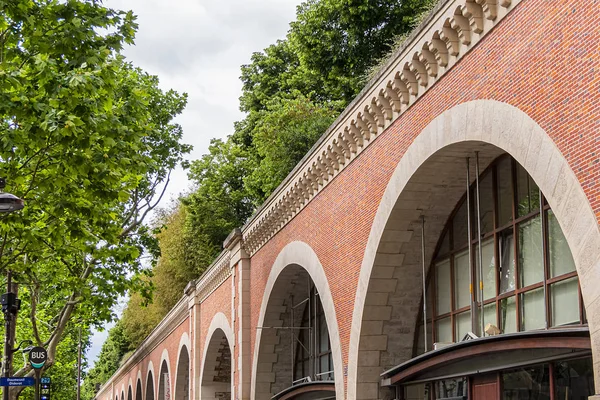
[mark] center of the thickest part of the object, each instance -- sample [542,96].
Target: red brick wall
[218,301]
[543,59]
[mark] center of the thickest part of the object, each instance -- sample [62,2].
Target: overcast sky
[197,47]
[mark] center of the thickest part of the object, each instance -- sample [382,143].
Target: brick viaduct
[495,76]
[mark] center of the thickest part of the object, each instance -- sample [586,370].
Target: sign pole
[7,340]
[37,384]
[37,359]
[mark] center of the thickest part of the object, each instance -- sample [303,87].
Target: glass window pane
[442,280]
[564,302]
[462,294]
[531,261]
[443,333]
[430,295]
[533,310]
[451,388]
[489,315]
[561,259]
[528,194]
[529,383]
[486,204]
[324,365]
[463,325]
[445,244]
[323,335]
[506,247]
[508,315]
[574,379]
[505,192]
[417,392]
[489,268]
[460,232]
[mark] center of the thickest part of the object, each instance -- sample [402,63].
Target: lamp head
[9,202]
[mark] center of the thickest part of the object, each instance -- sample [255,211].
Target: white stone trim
[301,254]
[219,321]
[513,131]
[164,358]
[213,277]
[130,389]
[451,31]
[183,341]
[154,388]
[141,381]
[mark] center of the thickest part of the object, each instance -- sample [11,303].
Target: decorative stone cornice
[452,29]
[178,314]
[213,277]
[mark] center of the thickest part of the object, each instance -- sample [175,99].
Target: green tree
[220,201]
[339,40]
[88,141]
[175,268]
[109,360]
[284,133]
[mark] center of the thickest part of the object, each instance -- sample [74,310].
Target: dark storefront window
[559,380]
[528,273]
[454,389]
[530,383]
[574,379]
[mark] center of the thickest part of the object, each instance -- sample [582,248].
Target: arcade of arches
[441,241]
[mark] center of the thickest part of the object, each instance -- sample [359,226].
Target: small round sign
[37,357]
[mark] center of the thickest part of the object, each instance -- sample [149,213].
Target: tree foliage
[109,360]
[88,141]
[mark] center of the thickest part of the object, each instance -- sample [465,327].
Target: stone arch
[138,388]
[217,359]
[150,385]
[302,255]
[130,390]
[182,369]
[493,128]
[164,377]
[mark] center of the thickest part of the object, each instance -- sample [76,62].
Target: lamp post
[10,303]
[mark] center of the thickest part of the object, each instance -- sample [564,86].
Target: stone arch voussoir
[219,334]
[302,255]
[184,346]
[493,125]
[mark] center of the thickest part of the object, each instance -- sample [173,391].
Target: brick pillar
[240,264]
[196,350]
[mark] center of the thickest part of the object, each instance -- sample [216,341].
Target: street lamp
[10,303]
[9,202]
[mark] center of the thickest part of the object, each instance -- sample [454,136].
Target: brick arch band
[301,254]
[514,132]
[219,322]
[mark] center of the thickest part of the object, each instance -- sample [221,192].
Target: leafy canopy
[88,141]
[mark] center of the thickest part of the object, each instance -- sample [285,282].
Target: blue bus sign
[26,381]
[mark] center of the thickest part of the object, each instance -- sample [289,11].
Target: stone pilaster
[240,263]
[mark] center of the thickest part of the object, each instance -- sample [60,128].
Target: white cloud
[198,46]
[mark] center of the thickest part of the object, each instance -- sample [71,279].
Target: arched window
[528,275]
[313,348]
